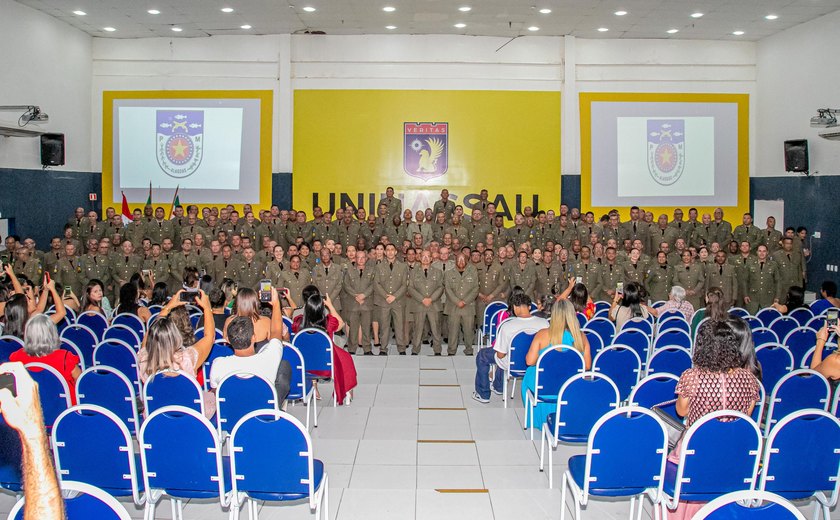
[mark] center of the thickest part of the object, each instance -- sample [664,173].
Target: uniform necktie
[361,272]
[720,270]
[126,259]
[634,227]
[426,273]
[762,266]
[788,257]
[391,266]
[71,264]
[326,271]
[297,275]
[225,263]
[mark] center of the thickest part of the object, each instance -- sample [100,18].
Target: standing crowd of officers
[427,275]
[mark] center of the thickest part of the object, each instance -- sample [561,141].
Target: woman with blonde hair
[563,332]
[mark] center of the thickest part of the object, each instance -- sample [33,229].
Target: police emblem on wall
[666,149]
[180,141]
[426,149]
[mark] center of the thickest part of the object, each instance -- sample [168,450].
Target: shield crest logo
[666,149]
[426,149]
[180,141]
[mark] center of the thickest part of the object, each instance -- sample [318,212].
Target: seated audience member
[717,370]
[746,345]
[192,279]
[795,299]
[160,294]
[563,332]
[230,288]
[217,303]
[676,302]
[94,299]
[68,298]
[828,291]
[319,313]
[23,304]
[130,303]
[716,309]
[827,365]
[497,355]
[144,285]
[578,294]
[247,304]
[163,347]
[628,305]
[41,344]
[507,313]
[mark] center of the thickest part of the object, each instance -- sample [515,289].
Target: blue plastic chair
[604,328]
[495,322]
[316,348]
[672,338]
[820,306]
[816,323]
[654,389]
[108,388]
[749,505]
[123,333]
[170,388]
[52,390]
[582,400]
[300,387]
[71,347]
[707,446]
[601,305]
[199,334]
[768,315]
[11,459]
[287,321]
[802,315]
[487,319]
[637,340]
[669,360]
[667,315]
[798,390]
[783,326]
[610,470]
[517,350]
[776,361]
[595,341]
[739,312]
[94,322]
[84,338]
[799,341]
[182,470]
[763,335]
[120,356]
[220,348]
[272,435]
[829,348]
[676,322]
[639,324]
[196,319]
[239,394]
[8,346]
[622,365]
[133,322]
[802,459]
[92,445]
[554,367]
[835,402]
[582,319]
[82,502]
[753,322]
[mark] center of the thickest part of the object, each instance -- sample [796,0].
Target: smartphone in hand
[265,290]
[831,316]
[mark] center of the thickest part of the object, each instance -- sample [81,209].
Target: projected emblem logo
[426,149]
[666,149]
[180,141]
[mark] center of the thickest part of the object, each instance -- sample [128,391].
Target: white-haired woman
[41,344]
[676,302]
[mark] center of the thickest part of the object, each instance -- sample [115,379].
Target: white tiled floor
[380,468]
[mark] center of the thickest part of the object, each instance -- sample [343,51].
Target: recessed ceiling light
[389,8]
[602,29]
[246,26]
[772,17]
[79,13]
[545,10]
[227,9]
[673,31]
[533,28]
[390,27]
[738,33]
[460,25]
[697,15]
[465,9]
[620,13]
[109,29]
[177,29]
[309,9]
[153,11]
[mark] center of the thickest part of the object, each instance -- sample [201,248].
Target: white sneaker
[497,392]
[480,399]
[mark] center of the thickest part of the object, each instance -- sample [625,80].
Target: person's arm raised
[60,311]
[16,286]
[205,344]
[278,328]
[334,313]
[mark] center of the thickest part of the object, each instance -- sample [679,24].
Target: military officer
[690,276]
[328,277]
[158,229]
[660,278]
[519,233]
[126,265]
[295,279]
[444,205]
[522,274]
[723,276]
[762,284]
[158,265]
[274,268]
[585,270]
[549,276]
[634,270]
[425,287]
[721,229]
[96,265]
[791,265]
[358,302]
[747,232]
[609,274]
[664,232]
[393,205]
[492,282]
[703,234]
[461,286]
[226,266]
[68,272]
[771,237]
[28,266]
[390,286]
[251,270]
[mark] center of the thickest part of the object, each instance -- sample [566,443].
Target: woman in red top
[319,313]
[41,344]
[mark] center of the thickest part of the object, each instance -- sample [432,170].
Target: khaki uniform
[348,233]
[549,281]
[493,282]
[295,282]
[461,287]
[358,314]
[87,232]
[250,274]
[519,235]
[725,278]
[477,232]
[159,268]
[51,258]
[30,269]
[123,268]
[749,234]
[660,279]
[703,236]
[68,272]
[684,230]
[393,207]
[635,231]
[772,239]
[274,271]
[791,271]
[634,272]
[225,269]
[98,267]
[158,230]
[588,272]
[691,278]
[447,208]
[762,284]
[422,284]
[327,231]
[329,280]
[659,235]
[526,277]
[740,265]
[721,232]
[609,277]
[461,232]
[180,262]
[391,279]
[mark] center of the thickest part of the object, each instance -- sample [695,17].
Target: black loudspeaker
[52,149]
[796,156]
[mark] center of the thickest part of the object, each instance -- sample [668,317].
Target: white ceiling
[645,18]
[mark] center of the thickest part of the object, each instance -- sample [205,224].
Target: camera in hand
[189,296]
[831,317]
[8,381]
[265,291]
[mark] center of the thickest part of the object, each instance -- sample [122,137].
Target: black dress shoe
[438,354]
[402,353]
[383,352]
[369,353]
[377,345]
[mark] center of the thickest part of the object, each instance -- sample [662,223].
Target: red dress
[344,378]
[62,360]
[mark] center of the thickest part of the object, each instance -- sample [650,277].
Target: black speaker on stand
[796,156]
[52,149]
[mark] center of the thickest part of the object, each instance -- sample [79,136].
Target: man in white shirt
[497,355]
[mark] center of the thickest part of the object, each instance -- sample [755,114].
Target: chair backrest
[798,390]
[753,322]
[835,402]
[667,315]
[316,348]
[71,347]
[119,355]
[132,321]
[675,322]
[639,324]
[52,390]
[272,435]
[749,505]
[517,350]
[108,388]
[609,462]
[495,322]
[154,310]
[603,327]
[764,335]
[802,315]
[698,316]
[299,385]
[81,502]
[218,335]
[803,454]
[738,311]
[489,311]
[816,322]
[595,341]
[123,333]
[635,339]
[622,365]
[695,329]
[8,346]
[11,458]
[672,338]
[170,388]
[601,305]
[554,368]
[196,319]
[95,322]
[177,467]
[582,319]
[603,313]
[760,404]
[768,315]
[287,321]
[722,439]
[238,395]
[583,399]
[805,362]
[92,445]
[669,360]
[653,390]
[84,338]
[798,341]
[776,361]
[220,348]
[820,306]
[783,325]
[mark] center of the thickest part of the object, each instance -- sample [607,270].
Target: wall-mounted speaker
[796,156]
[52,149]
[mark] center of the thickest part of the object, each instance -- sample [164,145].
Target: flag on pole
[175,202]
[126,213]
[149,200]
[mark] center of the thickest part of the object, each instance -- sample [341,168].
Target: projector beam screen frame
[741,103]
[163,196]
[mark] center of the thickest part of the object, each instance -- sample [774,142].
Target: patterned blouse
[685,307]
[709,392]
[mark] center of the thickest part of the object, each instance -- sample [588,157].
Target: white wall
[44,62]
[798,71]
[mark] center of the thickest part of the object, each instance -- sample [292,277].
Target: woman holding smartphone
[827,365]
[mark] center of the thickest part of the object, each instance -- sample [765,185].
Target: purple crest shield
[180,141]
[426,149]
[666,149]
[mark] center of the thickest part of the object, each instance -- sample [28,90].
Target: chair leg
[325,490]
[314,403]
[551,467]
[505,392]
[542,448]
[253,510]
[632,507]
[513,388]
[641,506]
[563,499]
